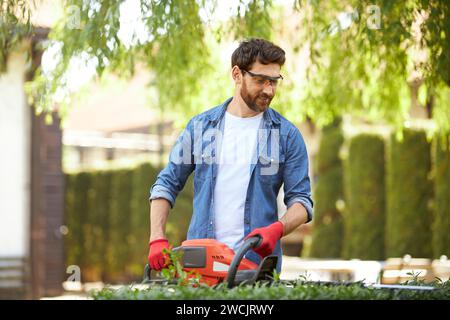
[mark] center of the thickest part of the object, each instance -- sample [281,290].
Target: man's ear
[236,75]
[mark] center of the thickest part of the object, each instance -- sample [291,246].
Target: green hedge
[328,227]
[276,291]
[120,223]
[76,216]
[107,215]
[71,219]
[100,204]
[364,216]
[409,191]
[441,221]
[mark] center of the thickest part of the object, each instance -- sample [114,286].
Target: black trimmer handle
[147,273]
[248,244]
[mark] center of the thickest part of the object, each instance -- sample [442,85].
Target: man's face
[257,92]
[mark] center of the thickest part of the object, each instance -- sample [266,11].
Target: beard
[258,102]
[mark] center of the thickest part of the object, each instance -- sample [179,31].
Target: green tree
[15,25]
[365,57]
[174,48]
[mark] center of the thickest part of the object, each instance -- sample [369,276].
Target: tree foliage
[14,26]
[174,48]
[364,56]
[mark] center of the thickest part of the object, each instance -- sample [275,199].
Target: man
[241,151]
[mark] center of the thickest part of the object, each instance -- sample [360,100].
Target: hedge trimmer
[215,263]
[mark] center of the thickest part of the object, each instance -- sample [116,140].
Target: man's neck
[237,107]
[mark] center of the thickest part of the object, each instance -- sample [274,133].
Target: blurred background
[94,93]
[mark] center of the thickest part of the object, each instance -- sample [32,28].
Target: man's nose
[269,90]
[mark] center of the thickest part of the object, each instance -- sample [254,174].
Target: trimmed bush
[77,206]
[441,221]
[99,212]
[364,217]
[71,221]
[107,215]
[327,229]
[409,191]
[120,223]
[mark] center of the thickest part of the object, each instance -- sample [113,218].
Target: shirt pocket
[270,169]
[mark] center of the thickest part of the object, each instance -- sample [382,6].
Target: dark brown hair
[252,50]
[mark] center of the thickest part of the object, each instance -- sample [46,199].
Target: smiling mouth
[264,100]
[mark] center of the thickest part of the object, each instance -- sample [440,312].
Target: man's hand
[270,235]
[156,258]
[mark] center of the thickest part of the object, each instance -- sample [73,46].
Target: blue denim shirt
[280,159]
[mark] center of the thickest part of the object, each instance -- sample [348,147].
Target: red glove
[156,259]
[270,235]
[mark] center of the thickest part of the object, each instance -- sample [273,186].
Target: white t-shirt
[233,175]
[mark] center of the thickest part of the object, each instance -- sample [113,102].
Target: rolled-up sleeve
[173,177]
[297,187]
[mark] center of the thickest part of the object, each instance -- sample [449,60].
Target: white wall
[14,160]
